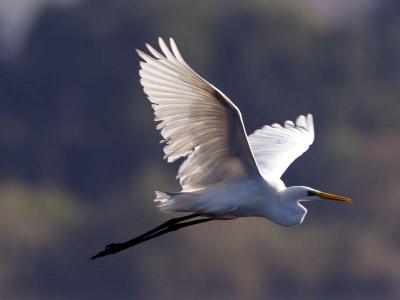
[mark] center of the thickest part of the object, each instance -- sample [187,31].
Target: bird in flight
[225,173]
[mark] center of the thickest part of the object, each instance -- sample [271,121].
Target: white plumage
[225,173]
[276,147]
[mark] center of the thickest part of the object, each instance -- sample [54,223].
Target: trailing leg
[171,225]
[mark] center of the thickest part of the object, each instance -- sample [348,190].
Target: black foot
[110,249]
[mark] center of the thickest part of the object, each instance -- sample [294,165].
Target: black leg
[164,225]
[171,225]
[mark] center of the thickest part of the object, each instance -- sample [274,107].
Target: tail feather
[173,201]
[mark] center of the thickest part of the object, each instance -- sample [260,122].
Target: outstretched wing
[276,147]
[197,121]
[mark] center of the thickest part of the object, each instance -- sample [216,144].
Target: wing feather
[276,147]
[197,121]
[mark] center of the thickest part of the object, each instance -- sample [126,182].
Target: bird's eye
[311,193]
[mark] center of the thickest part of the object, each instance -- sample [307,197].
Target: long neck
[290,211]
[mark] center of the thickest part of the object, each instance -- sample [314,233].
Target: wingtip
[139,52]
[301,121]
[310,120]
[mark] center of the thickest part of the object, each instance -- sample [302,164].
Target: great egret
[225,173]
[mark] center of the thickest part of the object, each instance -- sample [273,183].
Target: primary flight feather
[225,173]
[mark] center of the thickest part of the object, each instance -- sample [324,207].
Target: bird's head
[304,193]
[292,212]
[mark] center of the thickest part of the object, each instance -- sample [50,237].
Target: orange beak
[328,196]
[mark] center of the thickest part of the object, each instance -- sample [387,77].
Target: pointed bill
[329,196]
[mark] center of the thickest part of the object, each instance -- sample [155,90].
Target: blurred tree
[76,132]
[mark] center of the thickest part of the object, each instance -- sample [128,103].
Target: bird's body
[225,173]
[250,197]
[234,198]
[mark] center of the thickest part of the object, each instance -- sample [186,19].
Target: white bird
[225,173]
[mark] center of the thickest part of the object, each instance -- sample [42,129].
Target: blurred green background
[80,158]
